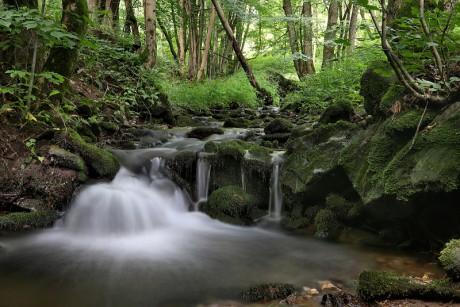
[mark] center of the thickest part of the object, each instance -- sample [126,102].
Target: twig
[418,127]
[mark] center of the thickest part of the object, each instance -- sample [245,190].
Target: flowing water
[133,242]
[276,196]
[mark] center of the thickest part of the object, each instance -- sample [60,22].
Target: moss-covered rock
[101,162]
[203,132]
[338,110]
[237,123]
[233,202]
[279,125]
[376,285]
[374,84]
[450,259]
[28,220]
[268,292]
[327,226]
[63,158]
[183,120]
[394,93]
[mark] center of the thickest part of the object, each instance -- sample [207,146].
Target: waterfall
[243,178]
[276,196]
[203,171]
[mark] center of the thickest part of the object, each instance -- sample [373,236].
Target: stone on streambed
[101,162]
[231,204]
[450,259]
[268,292]
[338,110]
[65,159]
[203,132]
[28,220]
[279,125]
[377,285]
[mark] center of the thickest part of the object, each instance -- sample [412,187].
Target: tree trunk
[192,55]
[74,17]
[261,93]
[207,45]
[330,35]
[131,23]
[293,43]
[353,29]
[168,39]
[308,37]
[115,8]
[182,36]
[150,32]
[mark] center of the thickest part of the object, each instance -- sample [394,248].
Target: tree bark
[115,8]
[192,55]
[293,43]
[74,17]
[182,36]
[207,45]
[131,23]
[353,28]
[165,32]
[261,93]
[150,32]
[308,37]
[330,35]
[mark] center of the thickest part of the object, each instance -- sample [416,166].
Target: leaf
[432,44]
[57,34]
[365,4]
[40,159]
[30,117]
[54,92]
[454,79]
[30,25]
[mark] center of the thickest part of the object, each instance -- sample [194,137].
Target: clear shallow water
[133,242]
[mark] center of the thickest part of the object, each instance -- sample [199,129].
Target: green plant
[30,144]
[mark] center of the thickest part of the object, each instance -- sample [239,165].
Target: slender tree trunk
[215,59]
[174,20]
[207,45]
[131,23]
[353,28]
[192,56]
[165,32]
[115,8]
[308,37]
[182,36]
[293,43]
[261,93]
[331,30]
[150,32]
[200,31]
[74,17]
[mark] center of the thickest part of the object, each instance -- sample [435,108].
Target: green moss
[28,220]
[232,201]
[109,127]
[376,285]
[268,292]
[237,123]
[101,162]
[338,110]
[405,123]
[66,159]
[204,132]
[279,125]
[394,93]
[187,121]
[450,259]
[295,223]
[210,147]
[327,226]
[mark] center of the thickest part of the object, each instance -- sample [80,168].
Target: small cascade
[243,178]
[276,196]
[203,172]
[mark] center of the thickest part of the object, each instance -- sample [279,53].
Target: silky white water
[133,242]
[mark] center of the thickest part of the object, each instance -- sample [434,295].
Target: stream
[135,242]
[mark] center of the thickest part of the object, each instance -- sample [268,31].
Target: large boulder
[450,259]
[278,125]
[338,110]
[374,84]
[231,204]
[203,132]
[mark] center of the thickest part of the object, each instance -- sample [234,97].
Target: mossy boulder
[101,162]
[237,123]
[310,168]
[327,226]
[232,202]
[395,92]
[278,125]
[338,110]
[374,84]
[183,120]
[377,285]
[450,259]
[63,158]
[268,292]
[203,132]
[28,220]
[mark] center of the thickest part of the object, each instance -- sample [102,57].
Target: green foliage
[30,144]
[338,83]
[49,32]
[450,260]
